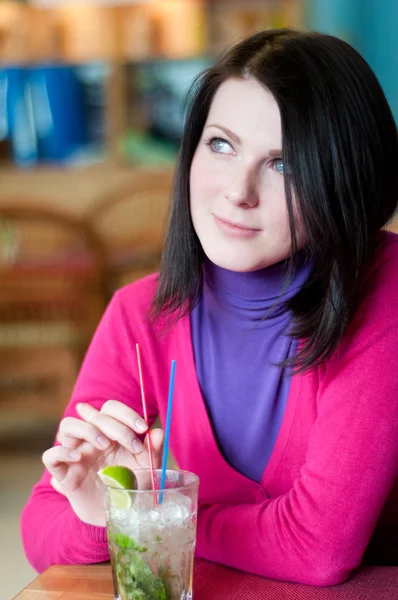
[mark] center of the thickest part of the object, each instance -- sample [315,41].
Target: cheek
[205,182]
[274,207]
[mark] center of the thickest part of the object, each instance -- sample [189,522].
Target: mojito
[151,537]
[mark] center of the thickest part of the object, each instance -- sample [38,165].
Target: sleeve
[317,532]
[51,532]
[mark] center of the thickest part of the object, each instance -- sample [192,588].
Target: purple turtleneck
[236,345]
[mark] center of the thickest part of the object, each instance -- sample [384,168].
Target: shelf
[172,29]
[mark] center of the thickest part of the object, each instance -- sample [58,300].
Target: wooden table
[214,582]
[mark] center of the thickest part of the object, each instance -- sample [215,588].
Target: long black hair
[340,146]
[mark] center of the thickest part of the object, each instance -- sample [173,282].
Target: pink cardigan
[331,471]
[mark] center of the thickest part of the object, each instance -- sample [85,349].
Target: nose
[241,189]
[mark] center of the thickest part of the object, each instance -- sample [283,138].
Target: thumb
[157,439]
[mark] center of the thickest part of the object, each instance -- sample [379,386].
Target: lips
[236,225]
[236,230]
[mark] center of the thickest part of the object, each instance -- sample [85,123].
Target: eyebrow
[237,140]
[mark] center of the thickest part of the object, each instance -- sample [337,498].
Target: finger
[125,415]
[78,472]
[157,440]
[112,428]
[57,459]
[157,436]
[57,486]
[72,432]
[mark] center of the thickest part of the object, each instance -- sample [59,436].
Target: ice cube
[174,515]
[153,516]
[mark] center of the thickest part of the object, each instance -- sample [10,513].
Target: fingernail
[137,446]
[80,406]
[141,425]
[75,455]
[103,441]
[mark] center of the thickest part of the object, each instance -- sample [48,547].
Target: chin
[237,262]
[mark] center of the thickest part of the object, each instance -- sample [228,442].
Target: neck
[269,283]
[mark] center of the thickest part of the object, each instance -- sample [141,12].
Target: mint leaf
[125,542]
[138,595]
[146,581]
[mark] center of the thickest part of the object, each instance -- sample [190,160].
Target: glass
[152,535]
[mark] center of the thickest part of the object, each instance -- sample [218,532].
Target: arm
[317,532]
[51,532]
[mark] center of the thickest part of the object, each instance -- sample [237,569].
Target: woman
[277,297]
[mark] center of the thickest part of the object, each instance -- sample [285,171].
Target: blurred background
[90,123]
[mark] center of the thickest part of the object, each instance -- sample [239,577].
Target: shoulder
[375,321]
[128,312]
[137,297]
[386,260]
[160,338]
[368,353]
[133,305]
[380,289]
[130,306]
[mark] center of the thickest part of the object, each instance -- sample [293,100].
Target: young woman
[277,296]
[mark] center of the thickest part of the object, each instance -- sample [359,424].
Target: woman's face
[238,203]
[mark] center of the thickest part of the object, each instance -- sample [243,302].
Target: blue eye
[278,166]
[218,145]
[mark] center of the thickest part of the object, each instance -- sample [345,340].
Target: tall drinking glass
[152,536]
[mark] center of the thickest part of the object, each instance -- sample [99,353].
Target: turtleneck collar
[249,295]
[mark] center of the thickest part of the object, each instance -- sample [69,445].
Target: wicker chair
[130,222]
[52,295]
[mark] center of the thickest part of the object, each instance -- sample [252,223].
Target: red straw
[144,407]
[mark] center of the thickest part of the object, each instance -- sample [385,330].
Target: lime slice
[119,479]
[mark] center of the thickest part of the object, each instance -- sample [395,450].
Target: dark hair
[340,146]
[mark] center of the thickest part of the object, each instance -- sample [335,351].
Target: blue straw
[167,432]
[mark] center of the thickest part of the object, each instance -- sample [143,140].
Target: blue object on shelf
[4,125]
[58,108]
[93,78]
[16,115]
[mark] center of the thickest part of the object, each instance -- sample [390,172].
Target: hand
[98,439]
